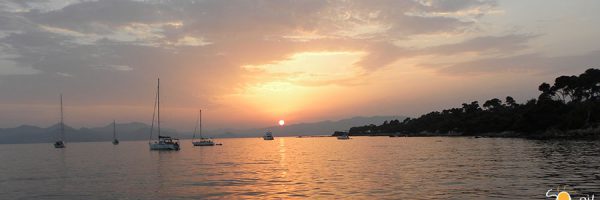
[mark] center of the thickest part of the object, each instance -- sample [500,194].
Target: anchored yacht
[59,144]
[162,142]
[202,141]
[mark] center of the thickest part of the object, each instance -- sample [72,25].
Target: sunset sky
[251,63]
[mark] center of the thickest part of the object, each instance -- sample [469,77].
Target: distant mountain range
[34,134]
[314,128]
[140,131]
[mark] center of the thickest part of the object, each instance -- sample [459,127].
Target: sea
[305,168]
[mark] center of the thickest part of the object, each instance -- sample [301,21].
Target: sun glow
[281,122]
[292,84]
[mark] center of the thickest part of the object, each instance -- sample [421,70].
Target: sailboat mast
[195,128]
[62,124]
[200,126]
[158,107]
[114,129]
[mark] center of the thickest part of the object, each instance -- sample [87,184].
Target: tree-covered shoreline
[569,108]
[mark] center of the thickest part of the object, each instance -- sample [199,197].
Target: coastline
[551,134]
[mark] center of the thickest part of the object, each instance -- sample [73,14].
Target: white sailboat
[268,136]
[60,143]
[202,140]
[162,142]
[115,141]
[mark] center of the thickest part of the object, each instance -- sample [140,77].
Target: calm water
[316,168]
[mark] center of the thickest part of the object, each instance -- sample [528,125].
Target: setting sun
[281,122]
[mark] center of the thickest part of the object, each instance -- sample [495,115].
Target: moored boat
[202,141]
[162,142]
[343,136]
[115,141]
[268,136]
[60,143]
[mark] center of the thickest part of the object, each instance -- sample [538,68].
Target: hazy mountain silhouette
[140,131]
[314,128]
[34,134]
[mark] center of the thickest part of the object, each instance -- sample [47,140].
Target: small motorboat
[343,136]
[268,136]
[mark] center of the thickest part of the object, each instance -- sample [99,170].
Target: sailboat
[60,143]
[115,141]
[162,142]
[203,141]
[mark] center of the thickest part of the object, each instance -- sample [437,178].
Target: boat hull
[59,145]
[203,143]
[268,138]
[156,146]
[115,142]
